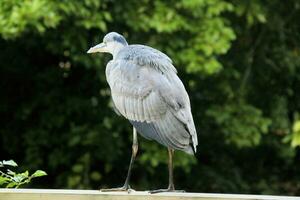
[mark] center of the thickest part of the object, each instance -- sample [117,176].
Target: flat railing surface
[50,194]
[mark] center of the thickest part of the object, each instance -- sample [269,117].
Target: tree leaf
[296,134]
[9,163]
[39,173]
[11,172]
[11,185]
[21,177]
[3,180]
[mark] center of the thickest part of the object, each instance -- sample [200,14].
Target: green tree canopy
[238,59]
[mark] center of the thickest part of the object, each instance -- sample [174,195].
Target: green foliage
[239,61]
[242,124]
[11,179]
[20,16]
[17,17]
[296,134]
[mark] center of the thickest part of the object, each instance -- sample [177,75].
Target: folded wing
[146,91]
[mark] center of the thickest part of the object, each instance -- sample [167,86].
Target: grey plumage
[146,90]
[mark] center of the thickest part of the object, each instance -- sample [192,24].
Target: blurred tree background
[238,59]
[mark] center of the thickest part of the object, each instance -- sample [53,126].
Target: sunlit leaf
[39,173]
[3,180]
[296,134]
[9,163]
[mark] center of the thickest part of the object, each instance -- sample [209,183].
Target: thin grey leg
[170,167]
[135,148]
[126,186]
[171,187]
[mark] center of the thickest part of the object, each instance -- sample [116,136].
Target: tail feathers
[168,131]
[186,118]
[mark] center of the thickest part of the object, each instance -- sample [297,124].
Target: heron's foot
[125,188]
[165,190]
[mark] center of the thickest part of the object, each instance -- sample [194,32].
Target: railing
[49,194]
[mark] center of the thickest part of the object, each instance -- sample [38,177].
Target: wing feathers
[140,110]
[148,92]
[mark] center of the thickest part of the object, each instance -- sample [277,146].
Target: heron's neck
[117,48]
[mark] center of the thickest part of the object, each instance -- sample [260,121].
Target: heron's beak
[98,48]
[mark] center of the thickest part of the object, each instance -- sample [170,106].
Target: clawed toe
[119,189]
[165,190]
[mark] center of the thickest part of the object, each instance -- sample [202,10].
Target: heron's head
[112,43]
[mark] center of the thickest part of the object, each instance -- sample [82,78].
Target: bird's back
[145,55]
[146,90]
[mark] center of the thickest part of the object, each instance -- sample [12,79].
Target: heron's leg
[170,167]
[126,186]
[171,187]
[135,147]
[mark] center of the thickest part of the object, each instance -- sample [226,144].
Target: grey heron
[146,90]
